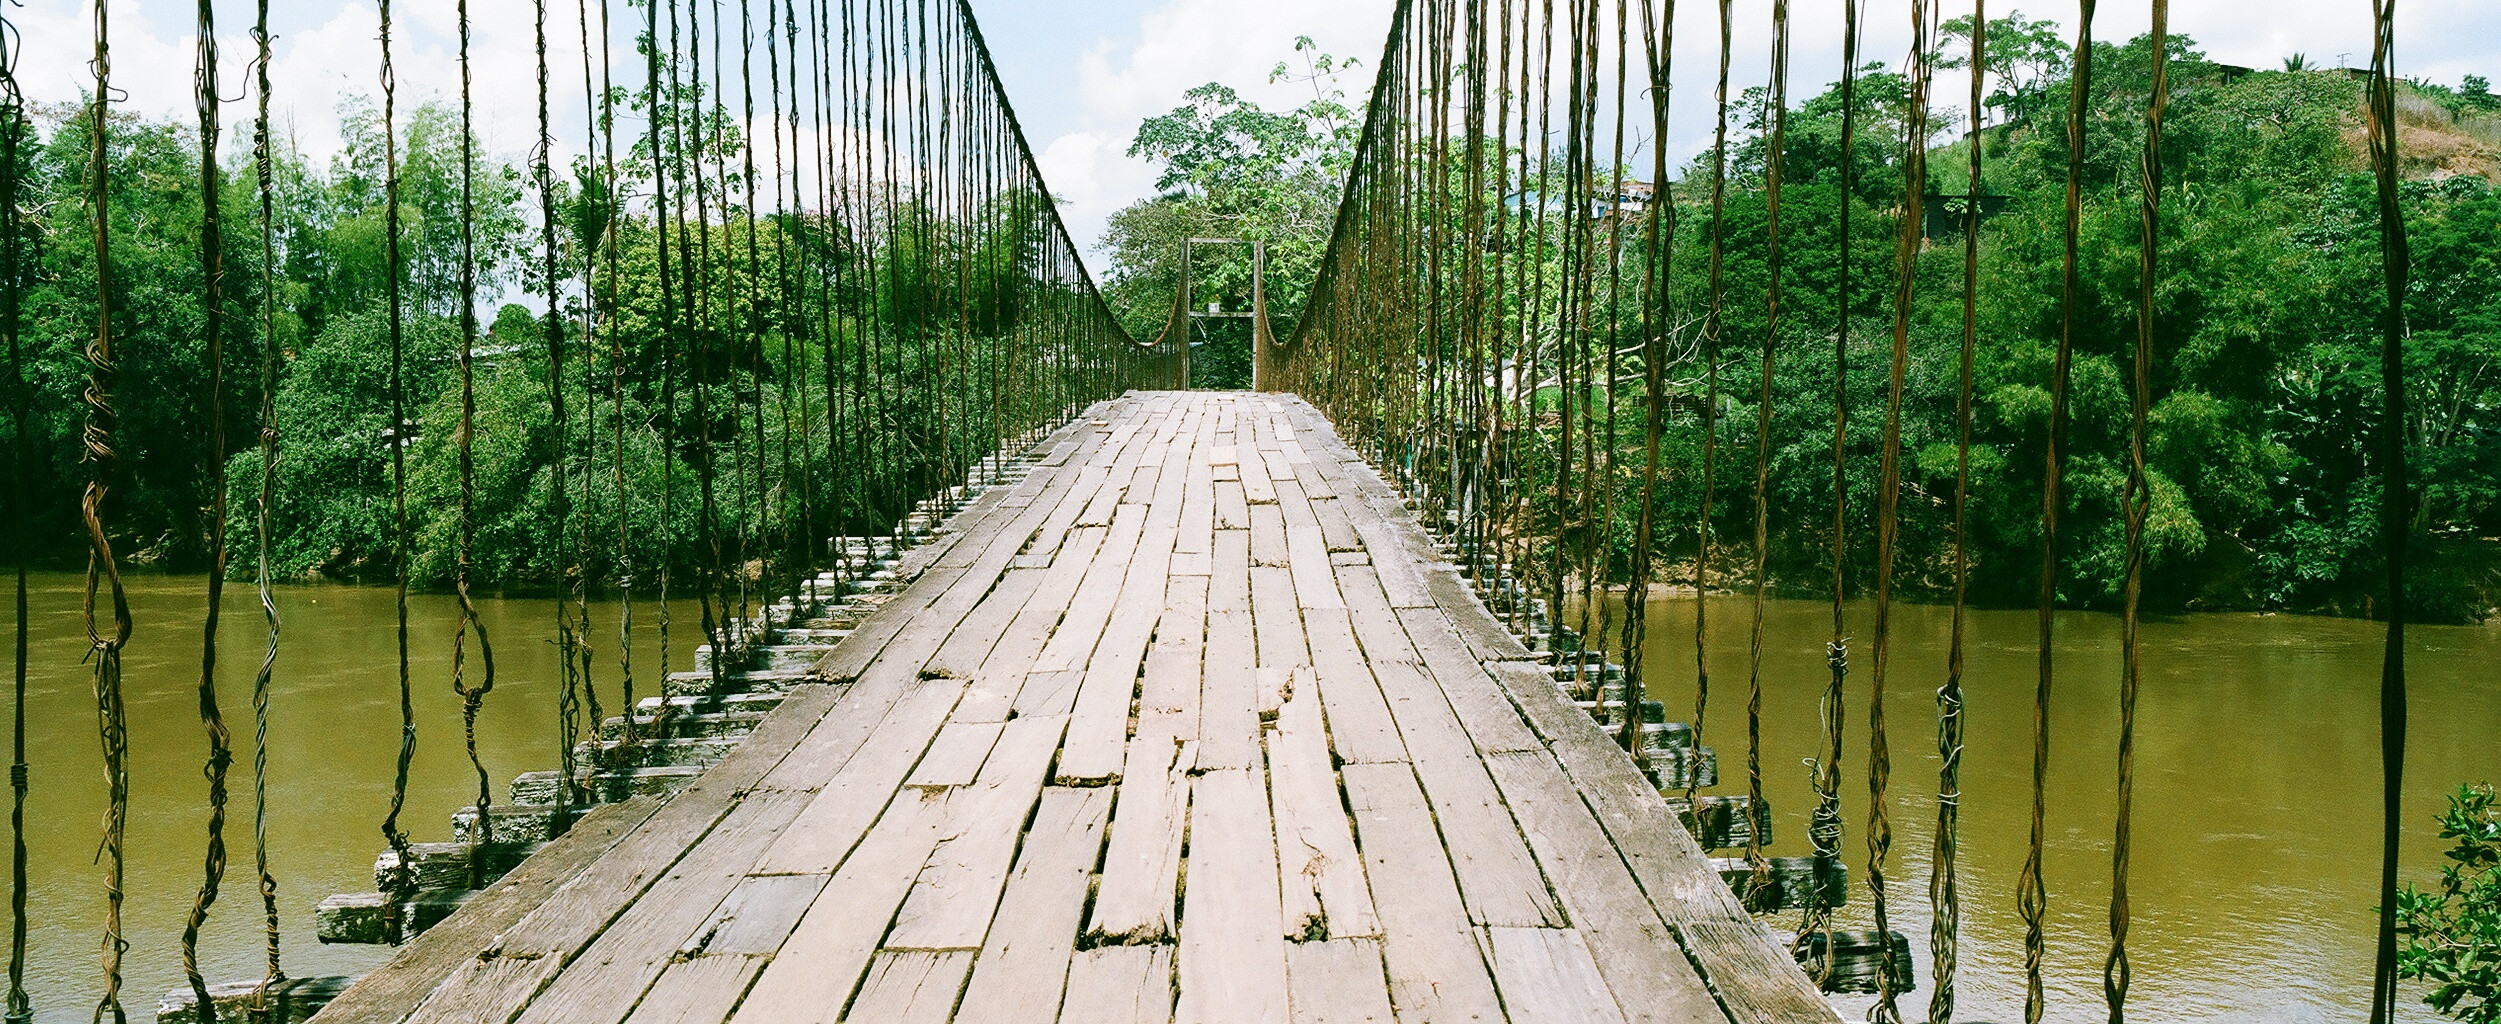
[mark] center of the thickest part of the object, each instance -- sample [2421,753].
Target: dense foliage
[2453,935]
[880,347]
[1229,168]
[2266,325]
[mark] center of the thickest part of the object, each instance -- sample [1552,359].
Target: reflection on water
[2257,792]
[334,738]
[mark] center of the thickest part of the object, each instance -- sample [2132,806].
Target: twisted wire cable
[212,330]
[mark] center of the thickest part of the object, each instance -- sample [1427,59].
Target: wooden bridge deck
[1193,724]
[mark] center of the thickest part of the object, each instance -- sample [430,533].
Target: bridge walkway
[1192,724]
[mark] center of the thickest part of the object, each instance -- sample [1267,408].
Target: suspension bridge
[1034,685]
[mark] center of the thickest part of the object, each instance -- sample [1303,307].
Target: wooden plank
[1318,872]
[1360,726]
[817,969]
[1496,872]
[698,990]
[759,913]
[1232,503]
[1090,608]
[1488,715]
[1168,695]
[1436,973]
[954,759]
[604,983]
[999,684]
[1337,529]
[1267,535]
[1099,728]
[1228,705]
[1401,577]
[1673,871]
[911,986]
[1139,892]
[1337,982]
[492,984]
[1547,977]
[857,793]
[1119,985]
[950,904]
[1279,619]
[1757,981]
[1229,588]
[970,643]
[1023,968]
[387,994]
[1233,949]
[1630,946]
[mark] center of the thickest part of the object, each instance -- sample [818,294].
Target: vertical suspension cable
[471,697]
[401,881]
[1760,877]
[2138,500]
[2032,892]
[103,570]
[1710,419]
[13,127]
[1824,827]
[1658,31]
[213,343]
[1888,511]
[2395,515]
[660,102]
[607,307]
[570,677]
[1944,899]
[265,176]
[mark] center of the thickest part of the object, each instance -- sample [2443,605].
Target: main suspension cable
[213,344]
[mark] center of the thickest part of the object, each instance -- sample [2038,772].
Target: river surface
[2256,845]
[333,744]
[2257,781]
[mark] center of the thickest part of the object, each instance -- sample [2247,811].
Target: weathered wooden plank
[1228,706]
[1098,729]
[1233,949]
[387,994]
[840,814]
[1360,726]
[1168,693]
[1081,624]
[1488,715]
[1337,528]
[1267,536]
[911,986]
[1023,968]
[950,904]
[1400,575]
[1757,981]
[1229,588]
[1496,872]
[1119,985]
[604,983]
[1257,487]
[816,971]
[1547,977]
[1632,948]
[493,984]
[1232,506]
[965,648]
[1278,616]
[1673,871]
[1436,972]
[1318,872]
[697,990]
[1337,982]
[955,757]
[1139,892]
[759,913]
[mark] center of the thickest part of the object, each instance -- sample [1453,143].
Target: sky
[1083,73]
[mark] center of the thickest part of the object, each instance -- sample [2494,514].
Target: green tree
[2453,935]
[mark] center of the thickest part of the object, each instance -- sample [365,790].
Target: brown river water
[2257,781]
